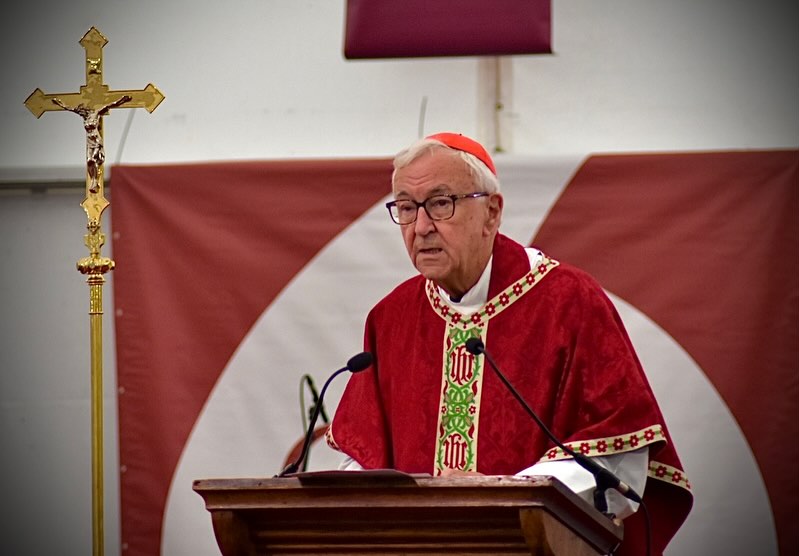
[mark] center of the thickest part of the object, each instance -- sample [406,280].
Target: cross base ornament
[92,102]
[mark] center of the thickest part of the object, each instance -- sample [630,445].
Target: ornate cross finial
[92,102]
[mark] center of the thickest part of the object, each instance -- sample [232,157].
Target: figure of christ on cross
[95,153]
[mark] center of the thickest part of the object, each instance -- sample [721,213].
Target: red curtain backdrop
[705,244]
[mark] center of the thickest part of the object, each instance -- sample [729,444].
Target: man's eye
[437,203]
[406,207]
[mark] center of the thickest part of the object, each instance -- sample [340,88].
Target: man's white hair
[484,178]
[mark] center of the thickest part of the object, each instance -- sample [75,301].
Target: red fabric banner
[713,239]
[420,28]
[201,250]
[704,244]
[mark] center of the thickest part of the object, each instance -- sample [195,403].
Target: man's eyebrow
[443,189]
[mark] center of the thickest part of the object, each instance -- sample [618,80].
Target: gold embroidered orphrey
[91,103]
[457,430]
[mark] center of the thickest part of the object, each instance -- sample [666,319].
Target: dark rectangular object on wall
[427,28]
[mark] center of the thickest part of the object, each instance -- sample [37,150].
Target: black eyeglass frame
[423,204]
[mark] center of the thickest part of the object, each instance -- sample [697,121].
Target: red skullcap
[462,143]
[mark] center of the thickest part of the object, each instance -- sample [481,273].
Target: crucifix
[92,102]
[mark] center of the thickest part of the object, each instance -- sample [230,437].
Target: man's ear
[495,204]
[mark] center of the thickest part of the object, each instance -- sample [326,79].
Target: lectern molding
[386,512]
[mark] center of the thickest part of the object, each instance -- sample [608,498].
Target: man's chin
[430,271]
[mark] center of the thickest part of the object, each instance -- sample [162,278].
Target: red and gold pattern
[494,306]
[462,378]
[668,474]
[625,443]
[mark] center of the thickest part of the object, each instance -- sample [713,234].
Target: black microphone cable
[306,379]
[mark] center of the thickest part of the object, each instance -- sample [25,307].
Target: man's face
[454,252]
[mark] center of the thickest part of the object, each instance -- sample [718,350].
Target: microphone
[356,364]
[315,396]
[604,478]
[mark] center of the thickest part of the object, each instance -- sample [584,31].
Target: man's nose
[424,224]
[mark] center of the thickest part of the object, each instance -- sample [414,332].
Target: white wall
[267,79]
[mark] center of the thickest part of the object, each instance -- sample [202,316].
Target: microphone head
[475,346]
[359,362]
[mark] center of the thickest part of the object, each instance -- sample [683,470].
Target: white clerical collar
[476,297]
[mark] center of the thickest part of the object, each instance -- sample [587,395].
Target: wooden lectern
[387,512]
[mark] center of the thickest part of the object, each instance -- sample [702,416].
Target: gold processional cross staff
[92,102]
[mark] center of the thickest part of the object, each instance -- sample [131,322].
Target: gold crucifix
[92,103]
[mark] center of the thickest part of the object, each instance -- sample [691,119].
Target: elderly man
[429,406]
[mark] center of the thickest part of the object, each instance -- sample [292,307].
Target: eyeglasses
[437,207]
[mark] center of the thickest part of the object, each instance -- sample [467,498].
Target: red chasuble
[427,404]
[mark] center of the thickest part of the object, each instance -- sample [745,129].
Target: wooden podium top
[388,512]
